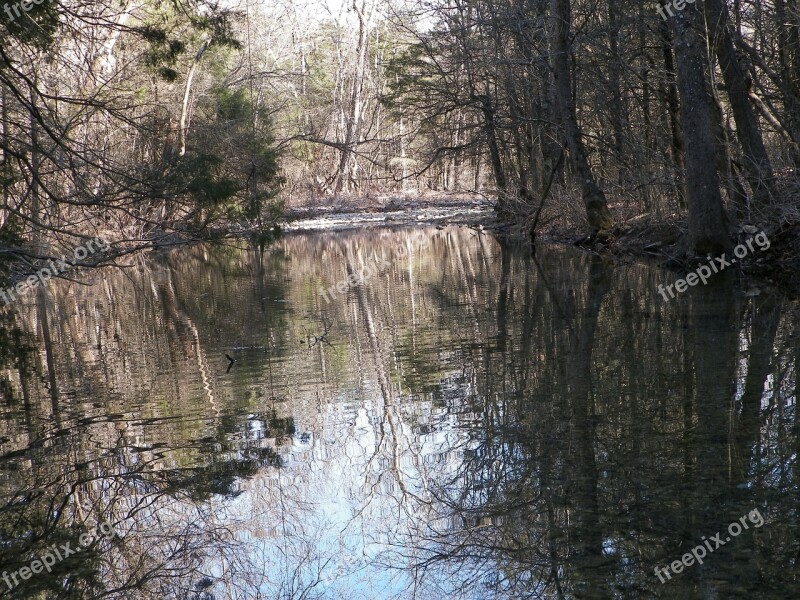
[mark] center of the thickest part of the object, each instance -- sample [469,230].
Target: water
[463,421]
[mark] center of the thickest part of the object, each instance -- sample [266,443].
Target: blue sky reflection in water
[471,423]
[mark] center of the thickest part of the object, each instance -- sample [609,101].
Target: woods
[658,115]
[330,356]
[113,121]
[193,117]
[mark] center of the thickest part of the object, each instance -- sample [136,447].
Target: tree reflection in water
[481,425]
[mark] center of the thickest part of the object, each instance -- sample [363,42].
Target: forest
[163,120]
[399,299]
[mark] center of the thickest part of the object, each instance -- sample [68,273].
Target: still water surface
[469,422]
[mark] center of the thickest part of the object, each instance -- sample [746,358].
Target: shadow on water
[408,414]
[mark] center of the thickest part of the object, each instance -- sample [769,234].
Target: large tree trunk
[787,14]
[707,220]
[593,197]
[737,195]
[757,166]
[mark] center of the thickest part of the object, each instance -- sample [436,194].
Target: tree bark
[490,126]
[594,199]
[353,127]
[673,103]
[757,167]
[183,128]
[737,195]
[4,158]
[707,220]
[787,13]
[617,107]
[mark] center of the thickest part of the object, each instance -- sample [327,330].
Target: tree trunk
[757,167]
[594,199]
[673,103]
[707,221]
[494,151]
[737,195]
[617,107]
[36,173]
[183,129]
[353,127]
[4,158]
[787,14]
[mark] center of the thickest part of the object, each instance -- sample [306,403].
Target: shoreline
[657,244]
